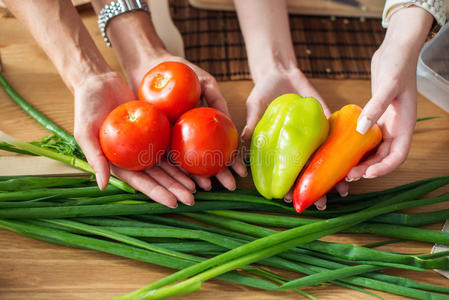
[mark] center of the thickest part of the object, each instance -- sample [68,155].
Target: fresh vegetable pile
[290,131]
[127,225]
[135,135]
[241,244]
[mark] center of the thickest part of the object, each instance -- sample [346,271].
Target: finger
[397,155]
[342,188]
[147,185]
[177,174]
[239,166]
[359,171]
[375,107]
[213,96]
[288,198]
[177,189]
[203,182]
[321,203]
[91,147]
[306,89]
[226,179]
[253,114]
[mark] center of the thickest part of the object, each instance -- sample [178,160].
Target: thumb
[214,98]
[254,112]
[91,147]
[375,108]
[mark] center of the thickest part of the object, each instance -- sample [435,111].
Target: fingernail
[243,132]
[100,181]
[189,203]
[355,179]
[363,125]
[347,179]
[194,191]
[344,194]
[321,207]
[232,188]
[173,205]
[368,177]
[287,200]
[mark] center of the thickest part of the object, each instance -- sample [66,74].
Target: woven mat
[337,48]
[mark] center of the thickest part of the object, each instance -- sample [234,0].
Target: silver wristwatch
[116,8]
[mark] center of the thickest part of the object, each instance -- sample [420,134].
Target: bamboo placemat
[326,47]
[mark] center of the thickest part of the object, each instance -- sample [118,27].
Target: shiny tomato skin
[135,135]
[173,87]
[204,141]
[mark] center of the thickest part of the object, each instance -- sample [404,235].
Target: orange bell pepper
[342,151]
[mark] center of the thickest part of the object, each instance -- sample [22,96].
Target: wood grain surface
[35,270]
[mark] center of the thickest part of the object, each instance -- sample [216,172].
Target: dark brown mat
[337,48]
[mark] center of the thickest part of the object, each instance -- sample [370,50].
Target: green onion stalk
[70,160]
[279,242]
[36,115]
[74,240]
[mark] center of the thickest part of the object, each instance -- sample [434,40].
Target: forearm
[133,37]
[58,29]
[265,28]
[408,30]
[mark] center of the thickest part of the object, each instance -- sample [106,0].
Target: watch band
[116,8]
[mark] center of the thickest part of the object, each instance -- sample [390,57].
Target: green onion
[117,209]
[123,250]
[28,183]
[70,160]
[428,118]
[413,220]
[240,198]
[394,231]
[371,195]
[90,191]
[115,235]
[404,232]
[328,276]
[282,241]
[7,147]
[36,115]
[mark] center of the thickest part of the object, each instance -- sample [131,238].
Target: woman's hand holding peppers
[273,64]
[394,95]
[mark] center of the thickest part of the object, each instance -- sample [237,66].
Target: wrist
[86,66]
[274,64]
[133,38]
[408,30]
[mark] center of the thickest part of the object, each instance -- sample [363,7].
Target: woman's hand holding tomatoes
[95,97]
[209,91]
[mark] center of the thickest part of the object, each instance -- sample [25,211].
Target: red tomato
[173,87]
[135,135]
[204,141]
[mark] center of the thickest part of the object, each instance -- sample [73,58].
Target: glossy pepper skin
[290,130]
[342,151]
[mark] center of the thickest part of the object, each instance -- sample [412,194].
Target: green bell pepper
[288,133]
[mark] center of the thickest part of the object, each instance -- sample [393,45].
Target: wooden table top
[34,270]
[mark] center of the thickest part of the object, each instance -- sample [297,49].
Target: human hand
[394,93]
[268,87]
[95,97]
[211,94]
